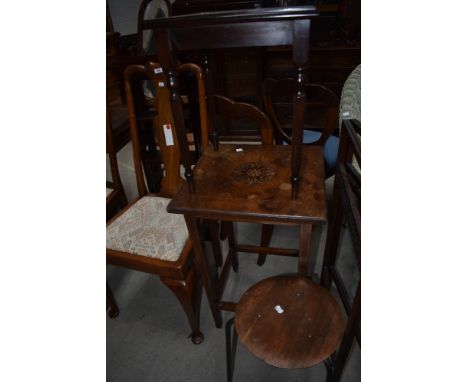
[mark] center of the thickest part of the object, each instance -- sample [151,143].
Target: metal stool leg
[329,365]
[231,347]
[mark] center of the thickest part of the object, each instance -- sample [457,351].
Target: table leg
[304,249]
[203,268]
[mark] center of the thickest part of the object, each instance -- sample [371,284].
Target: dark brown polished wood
[270,27]
[276,92]
[117,110]
[277,95]
[232,190]
[306,333]
[346,206]
[117,199]
[254,184]
[179,276]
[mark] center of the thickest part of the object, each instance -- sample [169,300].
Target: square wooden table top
[254,184]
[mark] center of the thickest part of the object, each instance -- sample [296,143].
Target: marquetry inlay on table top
[255,183]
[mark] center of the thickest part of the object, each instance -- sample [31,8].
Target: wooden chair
[277,99]
[144,236]
[346,207]
[289,321]
[231,110]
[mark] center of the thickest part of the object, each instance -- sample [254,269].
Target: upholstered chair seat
[330,148]
[147,229]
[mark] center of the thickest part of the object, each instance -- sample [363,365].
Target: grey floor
[149,341]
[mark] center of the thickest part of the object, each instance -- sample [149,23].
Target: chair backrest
[227,108]
[279,94]
[163,127]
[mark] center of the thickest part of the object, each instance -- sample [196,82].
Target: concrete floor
[149,341]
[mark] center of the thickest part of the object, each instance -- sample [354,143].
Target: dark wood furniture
[320,118]
[257,184]
[320,115]
[238,72]
[115,193]
[346,207]
[254,186]
[117,114]
[115,201]
[290,321]
[321,109]
[287,321]
[158,250]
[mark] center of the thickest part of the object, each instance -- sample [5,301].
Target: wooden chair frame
[346,206]
[179,276]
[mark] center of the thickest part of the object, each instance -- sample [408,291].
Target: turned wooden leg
[111,305]
[188,292]
[267,232]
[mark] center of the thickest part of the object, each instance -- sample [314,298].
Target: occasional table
[251,184]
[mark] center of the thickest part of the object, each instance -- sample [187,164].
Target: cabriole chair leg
[188,292]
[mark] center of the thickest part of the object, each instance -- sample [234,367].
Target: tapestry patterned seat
[147,229]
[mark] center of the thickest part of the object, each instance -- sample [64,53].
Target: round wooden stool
[288,321]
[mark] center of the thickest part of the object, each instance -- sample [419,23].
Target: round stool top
[289,321]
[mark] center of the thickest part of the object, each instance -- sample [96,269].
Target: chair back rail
[241,110]
[163,128]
